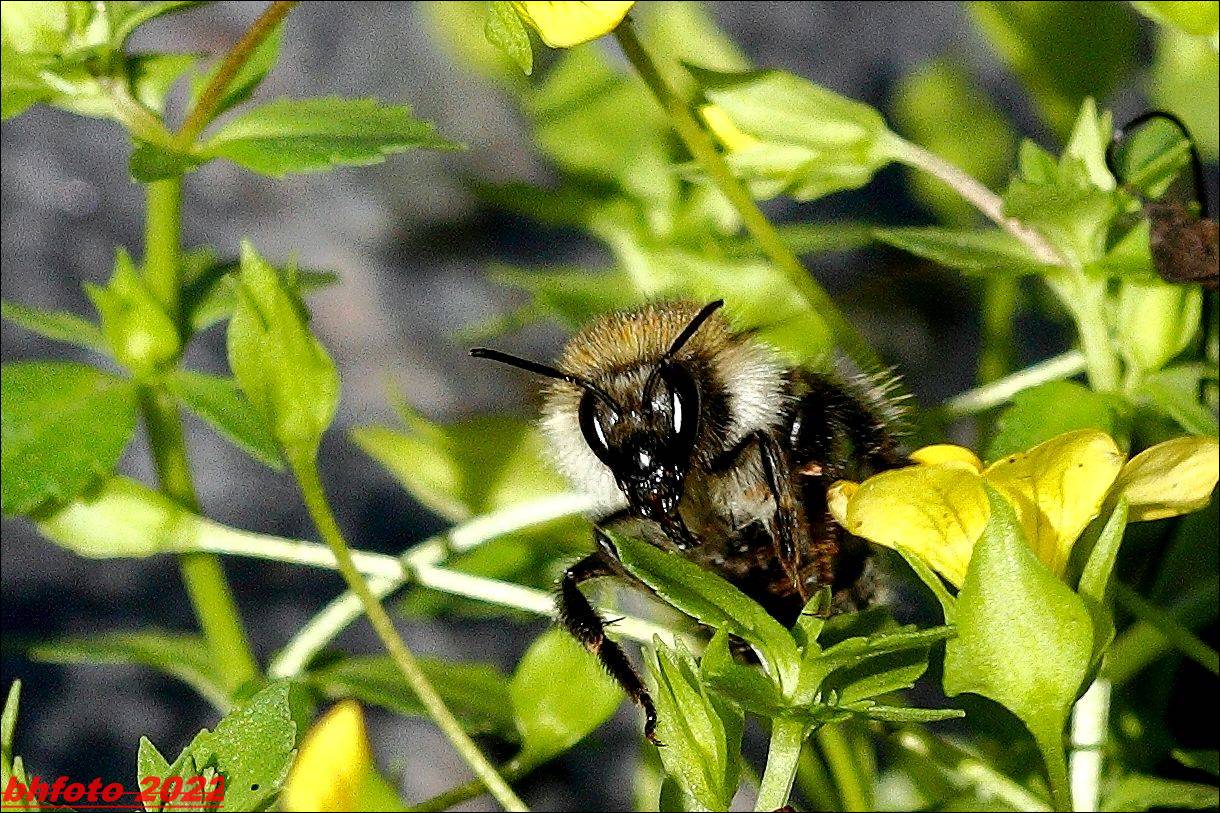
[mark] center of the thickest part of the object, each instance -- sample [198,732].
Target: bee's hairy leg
[785,506]
[578,617]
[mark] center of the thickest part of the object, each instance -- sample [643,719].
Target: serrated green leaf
[247,79]
[182,656]
[58,325]
[1024,638]
[282,368]
[504,29]
[64,427]
[252,747]
[1053,409]
[553,715]
[1062,52]
[219,402]
[314,135]
[972,251]
[477,693]
[711,600]
[1139,792]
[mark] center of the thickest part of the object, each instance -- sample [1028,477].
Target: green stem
[512,770]
[1050,744]
[163,243]
[201,572]
[1001,392]
[1086,300]
[703,149]
[977,195]
[814,783]
[210,98]
[305,468]
[999,307]
[1143,643]
[843,769]
[783,756]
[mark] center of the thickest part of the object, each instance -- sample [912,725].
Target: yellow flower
[937,508]
[333,764]
[729,134]
[564,24]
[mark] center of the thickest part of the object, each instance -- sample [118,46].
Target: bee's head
[642,421]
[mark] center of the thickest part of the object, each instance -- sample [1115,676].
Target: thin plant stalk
[844,769]
[701,146]
[306,470]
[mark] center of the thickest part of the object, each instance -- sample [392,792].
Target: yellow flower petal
[333,763]
[564,24]
[729,134]
[1171,478]
[936,512]
[1057,488]
[837,498]
[949,455]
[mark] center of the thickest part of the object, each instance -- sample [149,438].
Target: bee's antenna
[1196,161]
[693,327]
[544,370]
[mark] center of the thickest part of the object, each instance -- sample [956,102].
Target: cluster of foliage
[663,163]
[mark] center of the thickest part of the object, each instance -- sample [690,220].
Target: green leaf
[905,714]
[702,737]
[219,402]
[744,685]
[1184,71]
[559,695]
[505,30]
[679,34]
[121,518]
[247,79]
[182,656]
[141,335]
[971,251]
[58,325]
[571,296]
[34,27]
[813,141]
[466,468]
[153,75]
[1139,792]
[1052,409]
[21,83]
[1156,321]
[314,135]
[1024,638]
[939,107]
[1207,761]
[1095,579]
[1175,392]
[139,14]
[1196,19]
[64,426]
[711,600]
[153,162]
[284,371]
[478,693]
[1062,52]
[933,581]
[8,729]
[252,747]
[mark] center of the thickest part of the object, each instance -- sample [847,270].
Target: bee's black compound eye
[596,418]
[673,396]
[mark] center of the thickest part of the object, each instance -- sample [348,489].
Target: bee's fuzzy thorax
[743,384]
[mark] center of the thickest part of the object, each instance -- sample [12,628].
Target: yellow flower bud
[564,24]
[334,761]
[1171,478]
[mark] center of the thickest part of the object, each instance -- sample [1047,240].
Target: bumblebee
[703,441]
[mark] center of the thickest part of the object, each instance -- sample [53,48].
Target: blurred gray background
[411,245]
